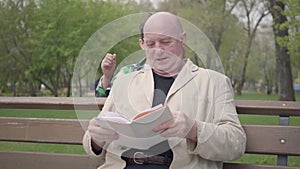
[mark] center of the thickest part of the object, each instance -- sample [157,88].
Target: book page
[138,134]
[147,111]
[114,117]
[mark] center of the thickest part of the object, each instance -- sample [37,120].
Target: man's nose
[159,45]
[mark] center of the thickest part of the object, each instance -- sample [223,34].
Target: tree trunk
[251,34]
[241,81]
[284,74]
[32,89]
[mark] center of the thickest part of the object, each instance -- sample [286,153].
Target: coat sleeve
[222,139]
[86,142]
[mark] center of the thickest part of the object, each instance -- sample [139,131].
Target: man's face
[164,53]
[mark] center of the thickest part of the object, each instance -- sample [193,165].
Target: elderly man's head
[164,42]
[164,23]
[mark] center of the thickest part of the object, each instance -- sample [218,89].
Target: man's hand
[181,126]
[100,135]
[108,66]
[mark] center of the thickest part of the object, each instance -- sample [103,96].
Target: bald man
[205,129]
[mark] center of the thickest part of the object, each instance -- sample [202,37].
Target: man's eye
[150,44]
[166,42]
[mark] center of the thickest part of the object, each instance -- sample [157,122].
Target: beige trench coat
[204,95]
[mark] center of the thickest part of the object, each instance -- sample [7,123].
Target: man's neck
[173,73]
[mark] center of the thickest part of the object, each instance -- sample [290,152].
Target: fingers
[108,66]
[180,126]
[100,134]
[170,132]
[168,124]
[163,126]
[109,56]
[102,131]
[109,60]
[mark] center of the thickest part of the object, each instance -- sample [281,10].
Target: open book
[137,132]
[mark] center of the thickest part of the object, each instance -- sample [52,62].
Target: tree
[216,20]
[263,56]
[292,12]
[254,11]
[15,32]
[42,39]
[283,66]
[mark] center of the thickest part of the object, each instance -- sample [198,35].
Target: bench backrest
[281,140]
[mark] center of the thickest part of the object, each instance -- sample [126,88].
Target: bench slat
[267,139]
[42,130]
[27,160]
[56,103]
[258,107]
[267,107]
[254,166]
[261,139]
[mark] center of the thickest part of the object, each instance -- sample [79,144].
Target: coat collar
[186,74]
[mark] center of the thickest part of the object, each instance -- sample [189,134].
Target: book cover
[137,132]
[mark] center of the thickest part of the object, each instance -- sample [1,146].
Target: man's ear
[183,37]
[141,42]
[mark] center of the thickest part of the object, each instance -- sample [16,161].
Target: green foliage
[263,56]
[292,42]
[40,40]
[215,19]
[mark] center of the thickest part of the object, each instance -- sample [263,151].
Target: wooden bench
[281,140]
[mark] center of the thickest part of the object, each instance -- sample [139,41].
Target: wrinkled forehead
[164,24]
[157,36]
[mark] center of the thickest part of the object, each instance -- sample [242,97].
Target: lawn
[255,96]
[77,149]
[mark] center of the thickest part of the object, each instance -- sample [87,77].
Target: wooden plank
[26,160]
[266,139]
[254,166]
[266,107]
[57,103]
[42,130]
[259,107]
[261,139]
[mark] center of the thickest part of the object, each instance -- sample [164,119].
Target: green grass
[255,96]
[41,147]
[266,120]
[77,149]
[37,113]
[257,159]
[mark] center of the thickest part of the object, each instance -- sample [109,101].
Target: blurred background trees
[257,40]
[40,40]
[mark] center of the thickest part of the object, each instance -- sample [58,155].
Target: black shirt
[162,86]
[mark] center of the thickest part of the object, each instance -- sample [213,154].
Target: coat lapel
[185,75]
[147,84]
